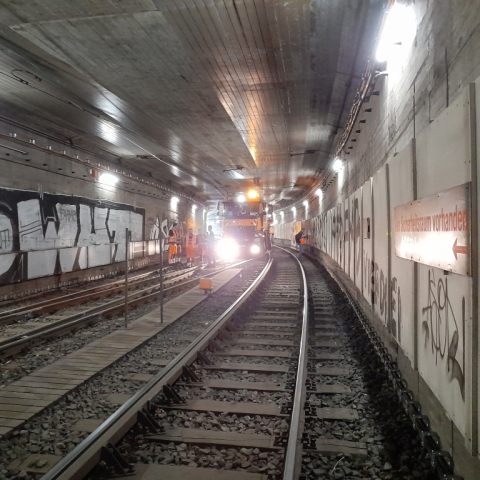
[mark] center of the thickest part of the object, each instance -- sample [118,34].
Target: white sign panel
[436,230]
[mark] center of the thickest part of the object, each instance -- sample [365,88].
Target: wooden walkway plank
[26,397]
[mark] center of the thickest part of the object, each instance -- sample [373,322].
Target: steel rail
[53,304]
[18,343]
[295,431]
[85,314]
[78,463]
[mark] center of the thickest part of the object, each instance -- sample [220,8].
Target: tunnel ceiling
[188,89]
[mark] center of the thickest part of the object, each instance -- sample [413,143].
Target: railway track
[65,314]
[283,384]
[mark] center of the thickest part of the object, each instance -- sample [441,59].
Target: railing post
[161,278]
[127,247]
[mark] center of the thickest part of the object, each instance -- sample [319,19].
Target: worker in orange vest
[172,242]
[190,242]
[300,241]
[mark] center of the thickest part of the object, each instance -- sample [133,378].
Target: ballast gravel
[393,447]
[53,430]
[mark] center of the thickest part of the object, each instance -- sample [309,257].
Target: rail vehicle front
[245,227]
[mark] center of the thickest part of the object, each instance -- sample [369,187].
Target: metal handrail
[86,455]
[294,434]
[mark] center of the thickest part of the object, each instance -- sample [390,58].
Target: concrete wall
[57,220]
[418,140]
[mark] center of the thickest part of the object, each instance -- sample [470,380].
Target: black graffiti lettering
[442,331]
[396,307]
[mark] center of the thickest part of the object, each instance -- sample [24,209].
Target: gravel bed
[59,292]
[245,376]
[267,337]
[52,428]
[255,360]
[48,353]
[139,450]
[32,323]
[247,396]
[270,348]
[392,445]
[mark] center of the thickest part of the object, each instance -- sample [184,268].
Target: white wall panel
[67,258]
[444,301]
[367,243]
[443,354]
[98,255]
[351,238]
[6,261]
[443,149]
[381,233]
[41,263]
[402,282]
[358,237]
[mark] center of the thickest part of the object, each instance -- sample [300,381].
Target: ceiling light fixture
[241,198]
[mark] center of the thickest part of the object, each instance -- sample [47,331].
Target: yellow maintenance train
[245,226]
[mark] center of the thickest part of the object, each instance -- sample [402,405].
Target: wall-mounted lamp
[108,179]
[398,30]
[174,201]
[194,208]
[337,164]
[318,192]
[305,203]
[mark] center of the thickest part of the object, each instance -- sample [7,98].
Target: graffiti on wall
[357,235]
[50,234]
[347,237]
[395,325]
[444,330]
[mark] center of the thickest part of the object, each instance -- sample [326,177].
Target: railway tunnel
[354,120]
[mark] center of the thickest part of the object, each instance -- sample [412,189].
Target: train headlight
[255,249]
[227,249]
